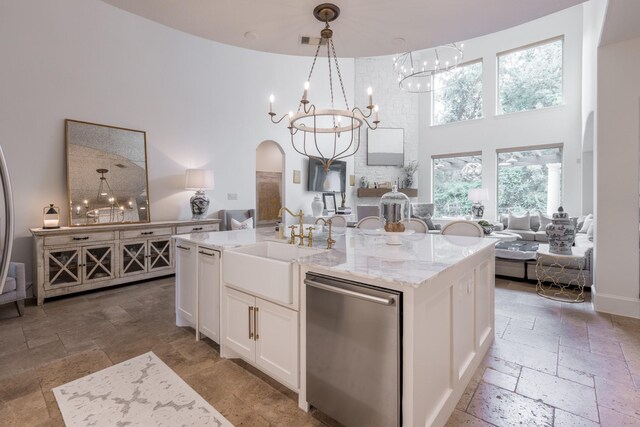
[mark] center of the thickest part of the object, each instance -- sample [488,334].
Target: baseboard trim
[613,304]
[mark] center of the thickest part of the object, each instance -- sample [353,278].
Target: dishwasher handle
[370,298]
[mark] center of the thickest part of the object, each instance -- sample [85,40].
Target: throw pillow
[587,222]
[544,220]
[247,224]
[590,232]
[519,222]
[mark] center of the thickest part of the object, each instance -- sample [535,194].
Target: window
[530,180]
[457,94]
[530,78]
[453,177]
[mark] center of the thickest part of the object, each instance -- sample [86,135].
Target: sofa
[526,269]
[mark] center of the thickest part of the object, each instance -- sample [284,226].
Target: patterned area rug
[142,391]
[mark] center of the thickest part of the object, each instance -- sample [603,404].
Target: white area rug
[142,391]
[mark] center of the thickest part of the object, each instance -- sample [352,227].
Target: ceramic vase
[199,205]
[561,233]
[317,206]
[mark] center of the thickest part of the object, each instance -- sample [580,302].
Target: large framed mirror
[107,179]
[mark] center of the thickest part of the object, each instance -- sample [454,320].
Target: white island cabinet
[198,288]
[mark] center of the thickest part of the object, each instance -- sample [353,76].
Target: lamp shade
[199,179]
[477,195]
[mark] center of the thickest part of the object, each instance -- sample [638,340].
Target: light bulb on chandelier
[321,124]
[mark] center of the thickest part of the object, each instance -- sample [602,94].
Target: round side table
[550,271]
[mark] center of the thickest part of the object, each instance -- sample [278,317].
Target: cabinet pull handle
[206,253]
[255,323]
[196,229]
[250,320]
[183,247]
[146,233]
[81,238]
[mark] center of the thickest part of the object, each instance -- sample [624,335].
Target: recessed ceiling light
[398,41]
[250,35]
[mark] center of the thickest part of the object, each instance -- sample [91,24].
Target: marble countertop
[363,255]
[420,258]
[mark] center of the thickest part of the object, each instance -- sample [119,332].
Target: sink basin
[264,269]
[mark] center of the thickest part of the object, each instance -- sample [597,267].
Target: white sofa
[526,270]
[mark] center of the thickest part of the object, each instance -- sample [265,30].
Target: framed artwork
[329,200]
[385,147]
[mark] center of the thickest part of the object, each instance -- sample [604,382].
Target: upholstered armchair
[15,289]
[239,215]
[424,212]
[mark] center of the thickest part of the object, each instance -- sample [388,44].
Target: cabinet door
[62,268]
[98,263]
[209,293]
[134,258]
[239,316]
[159,254]
[277,341]
[186,284]
[463,317]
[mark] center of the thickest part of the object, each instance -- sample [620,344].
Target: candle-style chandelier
[334,122]
[415,70]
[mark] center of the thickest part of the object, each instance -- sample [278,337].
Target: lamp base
[199,205]
[477,210]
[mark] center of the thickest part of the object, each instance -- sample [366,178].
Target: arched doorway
[269,182]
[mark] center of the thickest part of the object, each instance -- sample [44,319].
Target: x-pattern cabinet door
[134,258]
[62,268]
[159,254]
[98,263]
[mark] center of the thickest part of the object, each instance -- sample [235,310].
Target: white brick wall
[398,109]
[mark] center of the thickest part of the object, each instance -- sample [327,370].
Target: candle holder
[51,216]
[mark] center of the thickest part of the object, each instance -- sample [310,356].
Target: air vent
[120,165]
[312,41]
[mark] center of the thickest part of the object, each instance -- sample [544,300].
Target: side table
[550,270]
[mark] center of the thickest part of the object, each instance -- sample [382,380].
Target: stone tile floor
[552,364]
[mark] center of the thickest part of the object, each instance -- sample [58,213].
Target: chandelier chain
[344,94]
[315,57]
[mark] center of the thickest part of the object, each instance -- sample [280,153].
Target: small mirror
[106,174]
[385,147]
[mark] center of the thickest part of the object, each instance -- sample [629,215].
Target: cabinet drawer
[197,228]
[145,232]
[79,238]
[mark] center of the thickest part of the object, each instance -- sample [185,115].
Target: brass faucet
[330,241]
[300,234]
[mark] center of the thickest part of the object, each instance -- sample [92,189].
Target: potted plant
[410,170]
[487,227]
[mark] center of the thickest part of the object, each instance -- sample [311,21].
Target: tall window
[453,177]
[530,180]
[530,78]
[457,94]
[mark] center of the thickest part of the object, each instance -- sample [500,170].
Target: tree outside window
[530,78]
[453,177]
[457,94]
[530,181]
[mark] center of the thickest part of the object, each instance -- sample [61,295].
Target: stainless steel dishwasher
[354,344]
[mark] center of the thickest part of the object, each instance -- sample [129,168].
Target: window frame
[435,157]
[499,151]
[550,40]
[433,94]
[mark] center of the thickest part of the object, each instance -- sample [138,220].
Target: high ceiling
[364,28]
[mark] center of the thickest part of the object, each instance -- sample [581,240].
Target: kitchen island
[445,297]
[447,315]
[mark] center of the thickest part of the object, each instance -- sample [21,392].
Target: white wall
[398,109]
[617,266]
[561,124]
[203,104]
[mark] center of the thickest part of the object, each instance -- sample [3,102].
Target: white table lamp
[199,180]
